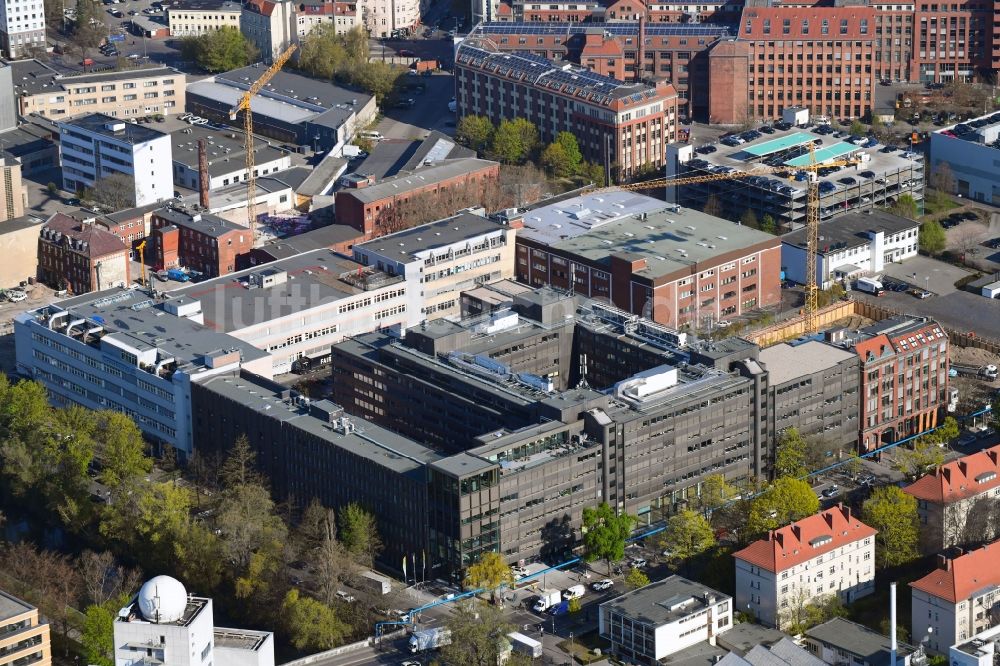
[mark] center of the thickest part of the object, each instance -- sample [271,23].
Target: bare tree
[942,178]
[103,578]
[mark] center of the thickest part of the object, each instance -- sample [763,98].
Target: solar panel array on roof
[559,28]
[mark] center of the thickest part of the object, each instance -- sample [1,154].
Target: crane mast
[244,106]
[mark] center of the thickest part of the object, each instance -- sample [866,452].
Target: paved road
[430,110]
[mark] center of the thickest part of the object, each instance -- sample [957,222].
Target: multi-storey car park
[882,174]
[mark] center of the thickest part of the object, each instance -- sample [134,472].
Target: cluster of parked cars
[13,295]
[193,119]
[956,219]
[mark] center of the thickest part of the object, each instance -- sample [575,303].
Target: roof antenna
[582,384]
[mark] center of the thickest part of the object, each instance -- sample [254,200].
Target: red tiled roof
[808,538]
[503,9]
[964,575]
[262,7]
[100,241]
[330,9]
[814,16]
[878,346]
[959,479]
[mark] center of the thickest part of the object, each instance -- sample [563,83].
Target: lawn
[934,203]
[583,646]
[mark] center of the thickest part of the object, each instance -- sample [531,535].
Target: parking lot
[429,111]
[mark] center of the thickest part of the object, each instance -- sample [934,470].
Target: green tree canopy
[635,578]
[556,161]
[687,534]
[323,53]
[905,206]
[715,493]
[489,573]
[923,455]
[220,50]
[605,533]
[376,78]
[790,455]
[474,132]
[312,625]
[768,225]
[785,501]
[478,635]
[514,140]
[571,147]
[121,449]
[894,514]
[933,240]
[359,534]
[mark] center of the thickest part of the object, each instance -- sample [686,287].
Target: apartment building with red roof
[829,553]
[81,256]
[269,25]
[957,600]
[957,502]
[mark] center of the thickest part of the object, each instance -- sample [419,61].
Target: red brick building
[625,125]
[904,378]
[894,42]
[953,41]
[448,186]
[198,241]
[80,256]
[676,266]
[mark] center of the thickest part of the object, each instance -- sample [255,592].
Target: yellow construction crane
[141,247]
[244,106]
[812,212]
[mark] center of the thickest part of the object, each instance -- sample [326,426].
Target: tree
[121,449]
[249,525]
[570,146]
[489,573]
[111,193]
[893,514]
[104,579]
[474,132]
[575,605]
[593,173]
[605,533]
[52,188]
[785,501]
[853,464]
[942,180]
[330,565]
[790,455]
[359,534]
[635,578]
[198,557]
[924,455]
[768,225]
[239,467]
[220,50]
[514,140]
[375,78]
[97,633]
[312,625]
[749,219]
[323,53]
[555,159]
[715,493]
[802,613]
[478,635]
[933,240]
[905,206]
[88,29]
[687,534]
[712,206]
[858,128]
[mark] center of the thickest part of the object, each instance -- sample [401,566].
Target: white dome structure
[162,599]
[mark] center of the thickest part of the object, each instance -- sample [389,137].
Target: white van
[574,592]
[370,135]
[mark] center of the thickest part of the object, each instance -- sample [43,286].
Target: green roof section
[838,149]
[779,144]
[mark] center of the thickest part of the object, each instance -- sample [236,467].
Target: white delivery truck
[546,600]
[375,583]
[429,639]
[574,592]
[525,645]
[869,286]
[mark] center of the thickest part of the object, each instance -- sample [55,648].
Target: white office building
[96,146]
[121,350]
[163,624]
[971,150]
[660,619]
[22,27]
[853,245]
[830,553]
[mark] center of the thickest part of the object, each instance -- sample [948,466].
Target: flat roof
[224,148]
[264,106]
[206,223]
[405,182]
[623,28]
[239,639]
[315,239]
[670,238]
[785,362]
[11,606]
[205,5]
[780,143]
[824,154]
[407,245]
[98,124]
[665,601]
[853,638]
[314,278]
[33,77]
[849,230]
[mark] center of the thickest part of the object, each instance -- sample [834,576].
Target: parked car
[345,596]
[15,295]
[920,293]
[519,571]
[602,585]
[639,563]
[832,491]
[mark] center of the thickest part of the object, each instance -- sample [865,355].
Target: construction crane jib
[812,212]
[244,106]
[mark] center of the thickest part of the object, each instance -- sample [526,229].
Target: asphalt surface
[430,109]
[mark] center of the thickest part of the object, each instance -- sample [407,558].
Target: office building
[119,349]
[296,308]
[980,650]
[96,146]
[343,16]
[19,248]
[440,260]
[202,242]
[293,109]
[784,652]
[653,622]
[970,150]
[22,29]
[24,636]
[954,602]
[438,189]
[957,502]
[854,245]
[831,553]
[194,18]
[128,93]
[839,641]
[904,377]
[226,153]
[627,125]
[760,168]
[163,623]
[813,387]
[491,297]
[674,265]
[269,25]
[80,256]
[13,193]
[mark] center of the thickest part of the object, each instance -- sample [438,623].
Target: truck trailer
[429,639]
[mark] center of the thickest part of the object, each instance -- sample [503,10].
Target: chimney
[946,473]
[640,67]
[202,174]
[992,454]
[797,531]
[828,517]
[963,467]
[846,510]
[943,562]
